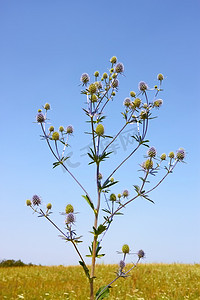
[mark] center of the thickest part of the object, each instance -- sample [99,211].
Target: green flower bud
[96,74]
[137,102]
[28,202]
[132,94]
[94,98]
[171,154]
[145,105]
[119,196]
[143,115]
[55,136]
[39,110]
[49,206]
[61,128]
[114,75]
[113,197]
[51,128]
[125,249]
[47,106]
[69,209]
[163,156]
[92,88]
[99,130]
[111,179]
[113,60]
[113,93]
[105,75]
[158,103]
[111,70]
[148,164]
[160,77]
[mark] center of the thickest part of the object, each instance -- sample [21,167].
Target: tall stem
[95,226]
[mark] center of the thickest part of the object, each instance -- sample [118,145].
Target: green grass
[151,281]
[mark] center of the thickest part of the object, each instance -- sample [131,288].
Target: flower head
[40,118]
[115,83]
[113,197]
[132,94]
[160,77]
[171,154]
[28,202]
[125,193]
[125,249]
[61,128]
[92,88]
[113,60]
[157,103]
[119,68]
[141,254]
[55,136]
[151,152]
[180,155]
[143,114]
[105,75]
[122,264]
[47,106]
[137,102]
[85,78]
[100,130]
[70,218]
[36,200]
[51,128]
[127,102]
[49,206]
[148,164]
[96,74]
[163,156]
[70,129]
[69,209]
[142,86]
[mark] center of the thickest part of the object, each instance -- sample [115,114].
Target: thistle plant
[139,110]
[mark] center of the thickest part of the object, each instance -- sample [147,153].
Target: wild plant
[138,112]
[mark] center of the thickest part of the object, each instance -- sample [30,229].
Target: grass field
[151,281]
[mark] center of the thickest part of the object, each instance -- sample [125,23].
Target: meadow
[147,281]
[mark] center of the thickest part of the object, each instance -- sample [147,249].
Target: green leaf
[101,295]
[86,270]
[101,228]
[89,201]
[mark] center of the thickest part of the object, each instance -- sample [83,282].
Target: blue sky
[45,47]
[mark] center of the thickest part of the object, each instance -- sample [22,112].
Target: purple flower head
[115,83]
[141,254]
[119,68]
[127,102]
[70,129]
[85,78]
[70,218]
[142,86]
[180,155]
[122,264]
[151,152]
[36,200]
[40,118]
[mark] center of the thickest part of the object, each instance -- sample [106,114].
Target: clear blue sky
[45,47]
